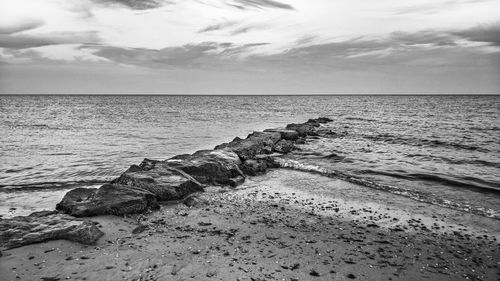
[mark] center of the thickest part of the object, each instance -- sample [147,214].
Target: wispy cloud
[20,25]
[245,4]
[483,33]
[14,41]
[135,4]
[219,26]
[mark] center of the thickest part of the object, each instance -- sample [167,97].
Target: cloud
[20,25]
[243,4]
[203,55]
[488,34]
[218,26]
[425,37]
[174,56]
[56,38]
[136,4]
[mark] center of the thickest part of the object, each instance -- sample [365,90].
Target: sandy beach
[268,229]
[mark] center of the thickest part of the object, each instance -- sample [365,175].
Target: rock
[162,180]
[109,199]
[308,128]
[195,201]
[254,167]
[218,167]
[284,146]
[305,129]
[269,159]
[139,229]
[256,143]
[314,273]
[40,227]
[300,141]
[285,134]
[236,181]
[323,120]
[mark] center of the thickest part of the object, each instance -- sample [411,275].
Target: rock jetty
[141,187]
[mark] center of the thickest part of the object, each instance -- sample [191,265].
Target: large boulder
[109,199]
[44,226]
[305,129]
[308,128]
[254,167]
[285,134]
[255,143]
[157,177]
[214,167]
[284,146]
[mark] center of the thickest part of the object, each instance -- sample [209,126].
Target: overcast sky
[249,46]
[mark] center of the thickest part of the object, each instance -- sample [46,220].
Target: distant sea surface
[439,149]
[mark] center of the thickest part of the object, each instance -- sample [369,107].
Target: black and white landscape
[249,140]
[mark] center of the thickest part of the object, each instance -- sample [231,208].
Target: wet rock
[236,181]
[284,146]
[309,128]
[109,199]
[256,143]
[254,167]
[314,273]
[139,229]
[351,276]
[305,129]
[321,120]
[269,159]
[300,141]
[195,201]
[36,228]
[165,182]
[219,167]
[285,134]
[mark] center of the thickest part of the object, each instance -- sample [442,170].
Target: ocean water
[439,149]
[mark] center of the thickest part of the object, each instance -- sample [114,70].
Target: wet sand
[285,225]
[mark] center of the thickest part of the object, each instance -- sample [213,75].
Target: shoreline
[234,211]
[264,230]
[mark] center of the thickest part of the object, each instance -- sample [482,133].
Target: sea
[443,150]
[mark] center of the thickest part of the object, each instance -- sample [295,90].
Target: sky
[249,47]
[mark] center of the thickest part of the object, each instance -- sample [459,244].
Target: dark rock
[236,181]
[300,141]
[109,199]
[323,120]
[218,167]
[25,230]
[195,201]
[285,134]
[254,167]
[284,146]
[351,276]
[308,128]
[256,143]
[269,159]
[314,273]
[165,182]
[303,129]
[139,229]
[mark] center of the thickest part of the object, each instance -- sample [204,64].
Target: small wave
[360,119]
[8,171]
[393,139]
[60,154]
[413,194]
[38,186]
[465,182]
